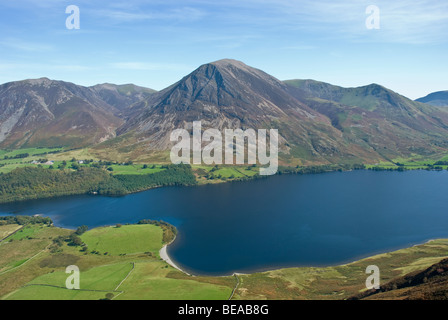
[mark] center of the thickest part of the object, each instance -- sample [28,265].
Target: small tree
[109,296]
[75,240]
[80,230]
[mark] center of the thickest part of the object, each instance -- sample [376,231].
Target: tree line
[24,220]
[33,182]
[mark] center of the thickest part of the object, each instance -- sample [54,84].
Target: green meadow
[156,281]
[128,239]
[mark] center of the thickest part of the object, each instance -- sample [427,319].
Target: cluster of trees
[24,220]
[72,240]
[17,156]
[320,168]
[173,175]
[402,168]
[80,230]
[33,182]
[399,168]
[48,152]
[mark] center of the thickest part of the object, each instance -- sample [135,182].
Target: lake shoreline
[163,253]
[165,257]
[284,170]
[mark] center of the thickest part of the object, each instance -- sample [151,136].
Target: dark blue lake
[281,221]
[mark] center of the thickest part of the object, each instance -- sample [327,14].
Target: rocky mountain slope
[230,94]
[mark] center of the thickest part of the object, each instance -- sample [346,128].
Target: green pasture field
[155,281]
[127,239]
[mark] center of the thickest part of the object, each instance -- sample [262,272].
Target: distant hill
[438,99]
[123,96]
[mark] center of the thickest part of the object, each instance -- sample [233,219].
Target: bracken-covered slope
[430,284]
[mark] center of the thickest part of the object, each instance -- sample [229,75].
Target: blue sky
[155,43]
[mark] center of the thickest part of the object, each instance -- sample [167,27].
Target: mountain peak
[229,62]
[39,81]
[225,94]
[227,65]
[375,86]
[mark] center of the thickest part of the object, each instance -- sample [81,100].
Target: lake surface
[281,221]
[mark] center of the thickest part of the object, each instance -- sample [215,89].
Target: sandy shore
[165,257]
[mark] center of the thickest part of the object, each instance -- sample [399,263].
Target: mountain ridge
[44,112]
[318,123]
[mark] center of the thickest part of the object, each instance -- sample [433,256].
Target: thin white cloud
[300,47]
[171,14]
[143,66]
[402,21]
[22,45]
[42,66]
